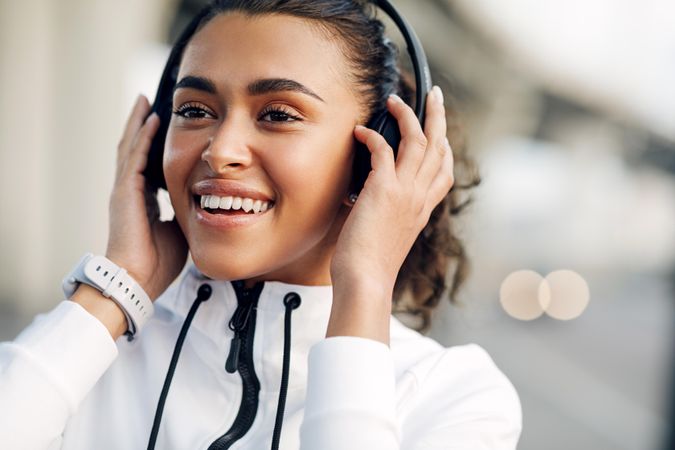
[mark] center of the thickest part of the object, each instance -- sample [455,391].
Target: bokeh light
[568,294]
[519,295]
[562,294]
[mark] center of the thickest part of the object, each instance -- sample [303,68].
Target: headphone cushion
[386,125]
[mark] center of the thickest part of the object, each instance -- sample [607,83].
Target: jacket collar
[310,319]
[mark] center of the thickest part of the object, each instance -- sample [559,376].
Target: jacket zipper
[240,358]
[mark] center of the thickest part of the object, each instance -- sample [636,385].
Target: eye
[193,111]
[278,114]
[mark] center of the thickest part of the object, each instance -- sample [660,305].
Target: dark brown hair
[437,263]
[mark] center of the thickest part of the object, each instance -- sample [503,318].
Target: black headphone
[384,123]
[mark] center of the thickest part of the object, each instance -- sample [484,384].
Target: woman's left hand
[392,209]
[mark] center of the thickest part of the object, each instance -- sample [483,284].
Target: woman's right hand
[152,252]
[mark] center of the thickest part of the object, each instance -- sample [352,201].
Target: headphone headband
[162,103]
[417,56]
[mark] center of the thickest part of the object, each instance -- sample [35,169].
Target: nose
[228,149]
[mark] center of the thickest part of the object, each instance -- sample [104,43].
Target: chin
[217,267]
[220,270]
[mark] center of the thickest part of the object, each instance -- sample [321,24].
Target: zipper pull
[232,361]
[238,324]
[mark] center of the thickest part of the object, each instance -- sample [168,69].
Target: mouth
[232,205]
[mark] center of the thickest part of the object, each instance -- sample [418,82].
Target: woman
[269,99]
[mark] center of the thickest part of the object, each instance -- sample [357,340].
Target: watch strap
[115,283]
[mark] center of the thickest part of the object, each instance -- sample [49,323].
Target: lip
[223,188]
[224,222]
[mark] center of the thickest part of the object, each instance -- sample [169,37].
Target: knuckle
[378,143]
[385,147]
[441,148]
[419,139]
[373,140]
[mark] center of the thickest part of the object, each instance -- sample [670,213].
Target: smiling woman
[259,132]
[275,128]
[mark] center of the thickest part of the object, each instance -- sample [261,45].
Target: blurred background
[569,109]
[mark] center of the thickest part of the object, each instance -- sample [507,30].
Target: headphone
[384,123]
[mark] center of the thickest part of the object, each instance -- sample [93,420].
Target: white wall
[64,94]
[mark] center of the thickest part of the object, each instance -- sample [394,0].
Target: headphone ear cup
[154,172]
[386,125]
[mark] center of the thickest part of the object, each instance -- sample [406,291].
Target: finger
[444,179]
[381,153]
[435,129]
[413,141]
[136,119]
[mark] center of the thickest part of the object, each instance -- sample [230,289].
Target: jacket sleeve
[47,371]
[353,403]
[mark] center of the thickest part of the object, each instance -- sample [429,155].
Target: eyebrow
[198,83]
[258,87]
[265,86]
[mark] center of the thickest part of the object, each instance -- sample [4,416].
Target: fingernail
[153,116]
[396,98]
[359,128]
[438,94]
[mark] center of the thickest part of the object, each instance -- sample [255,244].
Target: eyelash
[188,108]
[279,110]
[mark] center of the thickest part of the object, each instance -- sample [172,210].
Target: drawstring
[203,294]
[291,301]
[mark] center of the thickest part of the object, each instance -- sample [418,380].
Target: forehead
[234,49]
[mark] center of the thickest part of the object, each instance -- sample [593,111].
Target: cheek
[182,151]
[314,176]
[177,152]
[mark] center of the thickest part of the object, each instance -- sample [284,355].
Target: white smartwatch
[114,283]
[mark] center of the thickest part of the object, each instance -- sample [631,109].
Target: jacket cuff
[70,347]
[350,394]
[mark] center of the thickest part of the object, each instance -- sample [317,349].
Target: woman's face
[263,112]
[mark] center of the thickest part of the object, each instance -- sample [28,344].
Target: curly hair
[437,263]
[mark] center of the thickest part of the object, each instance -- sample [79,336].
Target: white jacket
[65,384]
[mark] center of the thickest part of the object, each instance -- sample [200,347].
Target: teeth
[233,203]
[247,204]
[226,202]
